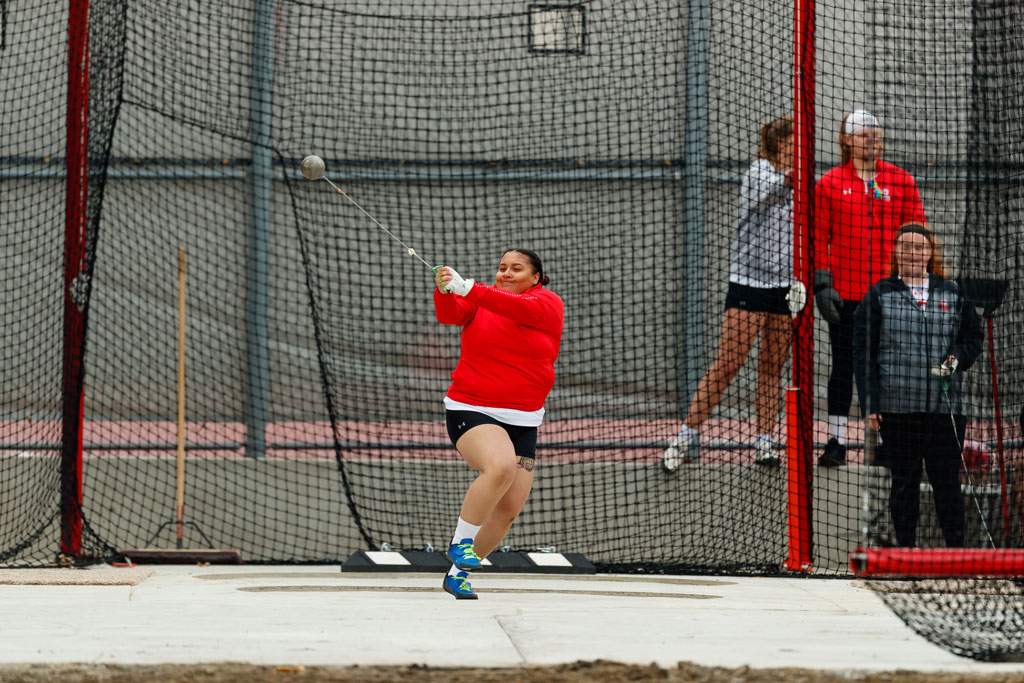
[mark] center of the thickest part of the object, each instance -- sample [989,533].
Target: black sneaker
[881,457]
[834,454]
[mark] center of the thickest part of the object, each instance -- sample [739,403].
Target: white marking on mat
[379,557]
[549,559]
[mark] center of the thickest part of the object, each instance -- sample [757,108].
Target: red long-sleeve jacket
[509,345]
[854,225]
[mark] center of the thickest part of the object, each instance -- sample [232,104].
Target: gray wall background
[343,90]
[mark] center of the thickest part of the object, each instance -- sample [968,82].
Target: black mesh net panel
[623,143]
[977,618]
[41,382]
[315,368]
[31,281]
[474,143]
[944,78]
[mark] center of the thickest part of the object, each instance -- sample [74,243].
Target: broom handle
[180,501]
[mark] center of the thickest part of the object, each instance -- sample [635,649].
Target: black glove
[826,297]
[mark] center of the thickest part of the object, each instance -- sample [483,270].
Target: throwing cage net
[944,504]
[625,144]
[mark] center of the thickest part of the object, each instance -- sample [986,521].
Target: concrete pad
[315,615]
[96,576]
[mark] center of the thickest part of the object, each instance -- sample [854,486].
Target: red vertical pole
[799,404]
[75,224]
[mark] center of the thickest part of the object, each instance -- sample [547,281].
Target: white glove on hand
[457,285]
[946,369]
[796,298]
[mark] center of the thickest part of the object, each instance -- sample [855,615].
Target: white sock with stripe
[837,427]
[689,435]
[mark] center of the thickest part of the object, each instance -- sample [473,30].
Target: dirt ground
[580,672]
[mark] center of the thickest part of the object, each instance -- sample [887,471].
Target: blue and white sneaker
[463,556]
[681,451]
[764,454]
[458,586]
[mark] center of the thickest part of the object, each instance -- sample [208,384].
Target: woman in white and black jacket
[914,334]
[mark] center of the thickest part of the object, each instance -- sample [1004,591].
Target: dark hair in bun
[535,262]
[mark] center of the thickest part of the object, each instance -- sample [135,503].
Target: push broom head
[185,556]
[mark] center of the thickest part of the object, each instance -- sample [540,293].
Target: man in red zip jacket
[858,207]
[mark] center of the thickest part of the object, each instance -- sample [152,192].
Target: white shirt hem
[510,416]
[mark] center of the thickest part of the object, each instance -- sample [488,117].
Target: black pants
[840,381]
[913,438]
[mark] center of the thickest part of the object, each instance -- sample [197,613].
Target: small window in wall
[556,28]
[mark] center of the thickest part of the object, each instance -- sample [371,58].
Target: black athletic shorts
[757,299]
[524,439]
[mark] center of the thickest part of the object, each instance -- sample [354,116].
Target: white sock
[837,427]
[465,530]
[689,434]
[455,570]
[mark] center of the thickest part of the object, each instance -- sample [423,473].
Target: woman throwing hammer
[510,338]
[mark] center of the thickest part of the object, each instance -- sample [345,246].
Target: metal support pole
[259,236]
[695,163]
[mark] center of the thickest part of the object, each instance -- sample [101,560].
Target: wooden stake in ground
[180,555]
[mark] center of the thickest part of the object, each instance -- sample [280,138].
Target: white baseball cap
[860,120]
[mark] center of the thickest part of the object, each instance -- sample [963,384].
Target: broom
[180,554]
